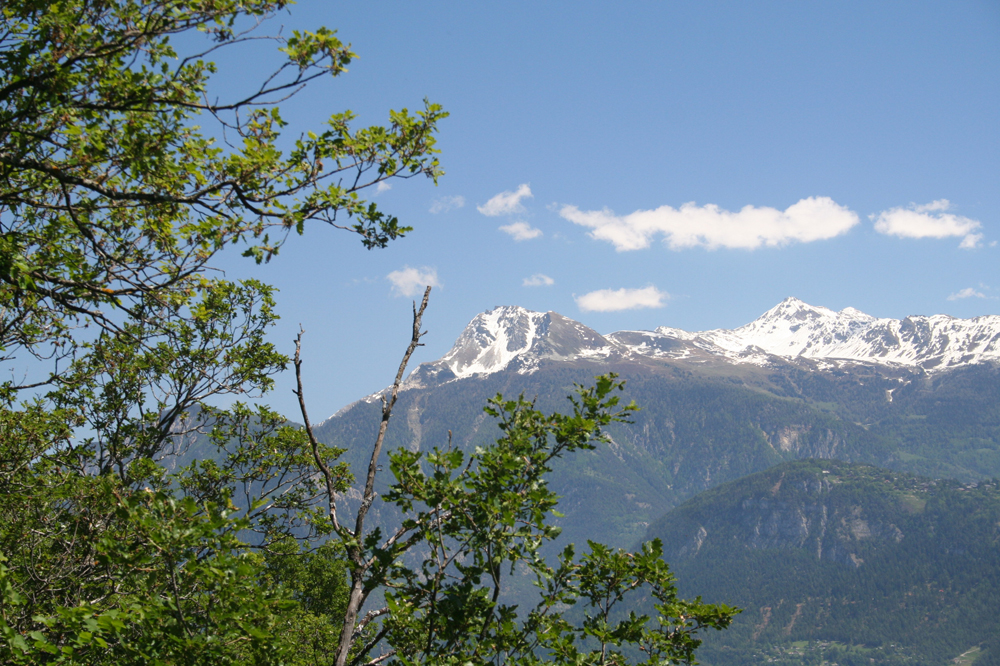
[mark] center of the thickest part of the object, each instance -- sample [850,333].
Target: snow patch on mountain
[796,329]
[492,340]
[511,338]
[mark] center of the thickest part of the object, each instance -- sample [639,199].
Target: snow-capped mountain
[793,329]
[513,338]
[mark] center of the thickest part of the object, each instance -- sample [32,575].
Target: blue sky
[709,159]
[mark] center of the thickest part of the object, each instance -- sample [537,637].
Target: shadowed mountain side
[905,568]
[701,426]
[692,433]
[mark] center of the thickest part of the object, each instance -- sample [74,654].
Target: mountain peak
[795,309]
[493,339]
[512,337]
[794,329]
[855,314]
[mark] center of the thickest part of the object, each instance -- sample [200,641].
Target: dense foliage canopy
[117,545]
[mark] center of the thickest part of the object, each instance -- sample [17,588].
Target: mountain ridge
[514,338]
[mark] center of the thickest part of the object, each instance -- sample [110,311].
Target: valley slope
[849,563]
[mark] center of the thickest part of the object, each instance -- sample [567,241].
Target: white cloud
[811,219]
[929,221]
[506,203]
[936,205]
[383,187]
[538,280]
[444,204]
[521,231]
[410,281]
[612,300]
[971,242]
[968,292]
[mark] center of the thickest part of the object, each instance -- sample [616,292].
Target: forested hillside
[848,563]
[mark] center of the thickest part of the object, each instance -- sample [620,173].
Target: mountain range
[918,396]
[513,338]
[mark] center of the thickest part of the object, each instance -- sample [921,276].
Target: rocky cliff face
[831,532]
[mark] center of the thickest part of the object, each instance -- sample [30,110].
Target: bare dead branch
[387,406]
[355,550]
[369,616]
[381,658]
[331,497]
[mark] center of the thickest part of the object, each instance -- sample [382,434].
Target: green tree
[115,546]
[113,203]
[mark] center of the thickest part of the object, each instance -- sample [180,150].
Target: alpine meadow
[124,177]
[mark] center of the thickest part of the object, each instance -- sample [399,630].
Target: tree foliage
[114,200]
[119,546]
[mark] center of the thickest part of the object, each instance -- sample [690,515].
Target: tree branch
[387,405]
[355,547]
[331,497]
